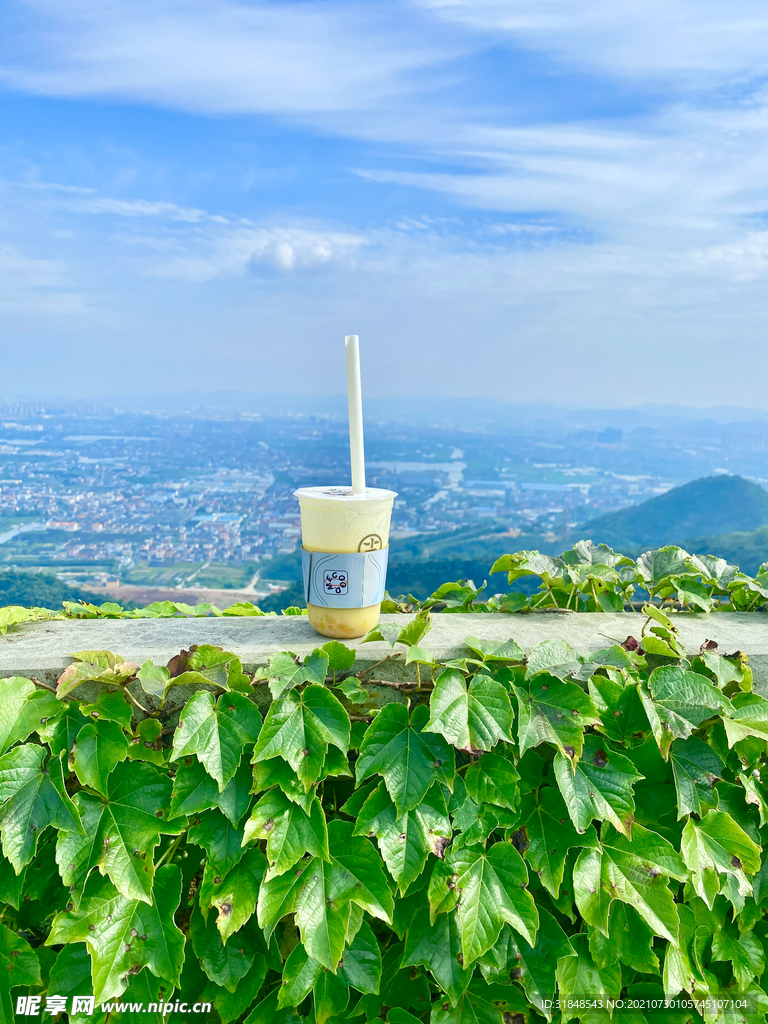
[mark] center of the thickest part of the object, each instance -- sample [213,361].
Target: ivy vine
[586,578]
[504,839]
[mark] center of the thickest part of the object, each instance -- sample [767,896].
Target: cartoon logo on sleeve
[335,581]
[371,542]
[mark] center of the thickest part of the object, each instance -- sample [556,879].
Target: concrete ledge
[42,649]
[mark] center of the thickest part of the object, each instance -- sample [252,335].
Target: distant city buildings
[207,499]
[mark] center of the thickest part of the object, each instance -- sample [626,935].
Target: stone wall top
[42,648]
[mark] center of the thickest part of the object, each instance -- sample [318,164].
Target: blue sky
[543,199]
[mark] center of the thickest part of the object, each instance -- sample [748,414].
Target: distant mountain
[704,509]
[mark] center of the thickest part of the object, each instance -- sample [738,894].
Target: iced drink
[345,543]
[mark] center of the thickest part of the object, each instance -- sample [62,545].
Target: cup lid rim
[343,494]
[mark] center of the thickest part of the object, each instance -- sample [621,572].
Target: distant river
[20,529]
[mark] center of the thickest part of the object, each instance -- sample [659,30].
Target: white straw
[355,403]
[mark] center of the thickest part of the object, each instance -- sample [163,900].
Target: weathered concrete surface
[42,648]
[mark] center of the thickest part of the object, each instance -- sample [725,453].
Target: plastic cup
[335,520]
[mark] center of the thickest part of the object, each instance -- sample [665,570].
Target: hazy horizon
[274,404]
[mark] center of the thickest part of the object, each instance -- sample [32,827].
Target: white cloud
[242,249]
[705,41]
[217,55]
[145,208]
[744,259]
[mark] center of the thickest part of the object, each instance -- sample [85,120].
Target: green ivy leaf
[488,888]
[530,563]
[155,679]
[662,646]
[19,967]
[492,650]
[220,839]
[358,865]
[225,964]
[472,718]
[299,727]
[492,780]
[112,706]
[409,758]
[755,794]
[397,1015]
[71,975]
[696,767]
[656,568]
[33,797]
[622,715]
[552,711]
[231,1006]
[599,786]
[629,941]
[437,946]
[385,632]
[480,1004]
[340,657]
[717,845]
[725,671]
[748,716]
[579,978]
[11,884]
[61,731]
[400,989]
[692,593]
[633,871]
[319,894]
[678,702]
[284,672]
[545,835]
[235,895]
[98,748]
[194,790]
[360,968]
[555,657]
[302,975]
[405,842]
[96,667]
[147,744]
[535,965]
[290,832]
[415,631]
[23,709]
[124,935]
[267,1012]
[420,656]
[205,665]
[353,691]
[215,731]
[277,772]
[120,832]
[742,951]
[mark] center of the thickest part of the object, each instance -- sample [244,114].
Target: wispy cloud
[701,41]
[219,55]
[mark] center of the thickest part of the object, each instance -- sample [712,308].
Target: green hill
[38,590]
[705,509]
[748,550]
